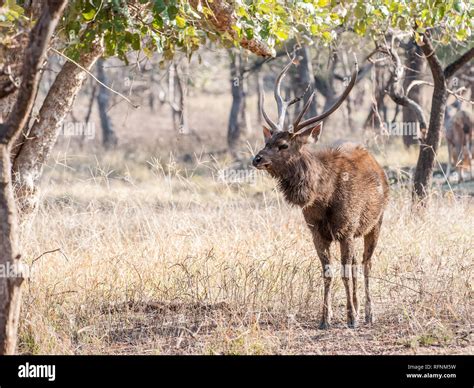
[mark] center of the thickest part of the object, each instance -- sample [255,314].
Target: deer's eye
[282,147]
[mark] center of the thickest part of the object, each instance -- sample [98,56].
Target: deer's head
[284,143]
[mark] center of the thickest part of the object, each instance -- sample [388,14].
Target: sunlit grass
[160,256]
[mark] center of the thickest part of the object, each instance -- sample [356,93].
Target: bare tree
[178,74]
[10,286]
[429,145]
[378,111]
[414,65]
[430,134]
[238,118]
[398,94]
[109,138]
[302,80]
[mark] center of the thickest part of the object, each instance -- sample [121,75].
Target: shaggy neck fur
[302,178]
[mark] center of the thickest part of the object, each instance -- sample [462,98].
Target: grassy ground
[153,250]
[158,256]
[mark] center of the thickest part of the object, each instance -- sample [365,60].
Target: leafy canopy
[166,26]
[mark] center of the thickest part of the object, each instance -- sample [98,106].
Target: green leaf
[249,33]
[172,12]
[159,6]
[282,35]
[359,11]
[180,22]
[461,34]
[89,15]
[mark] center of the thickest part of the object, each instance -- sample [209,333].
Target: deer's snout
[259,162]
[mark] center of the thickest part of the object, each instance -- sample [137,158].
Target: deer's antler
[298,126]
[282,105]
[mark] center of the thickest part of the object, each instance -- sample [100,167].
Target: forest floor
[155,255]
[164,247]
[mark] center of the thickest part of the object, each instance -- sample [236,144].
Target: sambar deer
[458,123]
[342,191]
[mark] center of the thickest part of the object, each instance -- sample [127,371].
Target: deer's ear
[314,131]
[266,133]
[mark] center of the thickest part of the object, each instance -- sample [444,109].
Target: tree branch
[454,66]
[95,78]
[397,93]
[224,18]
[433,61]
[35,54]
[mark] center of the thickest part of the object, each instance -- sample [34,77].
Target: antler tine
[304,110]
[335,106]
[282,105]
[272,125]
[300,97]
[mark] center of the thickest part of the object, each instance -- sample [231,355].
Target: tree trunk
[109,138]
[303,77]
[378,111]
[349,102]
[12,61]
[414,70]
[326,86]
[260,90]
[182,73]
[244,114]
[10,285]
[349,109]
[172,96]
[90,107]
[429,145]
[36,147]
[236,79]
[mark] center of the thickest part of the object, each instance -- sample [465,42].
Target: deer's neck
[304,180]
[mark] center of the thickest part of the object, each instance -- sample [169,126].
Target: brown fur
[342,192]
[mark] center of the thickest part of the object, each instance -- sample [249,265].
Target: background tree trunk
[237,111]
[303,77]
[109,138]
[260,90]
[182,74]
[378,111]
[10,286]
[178,95]
[37,145]
[429,145]
[414,69]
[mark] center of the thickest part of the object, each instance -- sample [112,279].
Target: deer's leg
[355,280]
[347,259]
[322,248]
[370,242]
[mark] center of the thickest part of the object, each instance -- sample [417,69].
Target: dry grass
[163,259]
